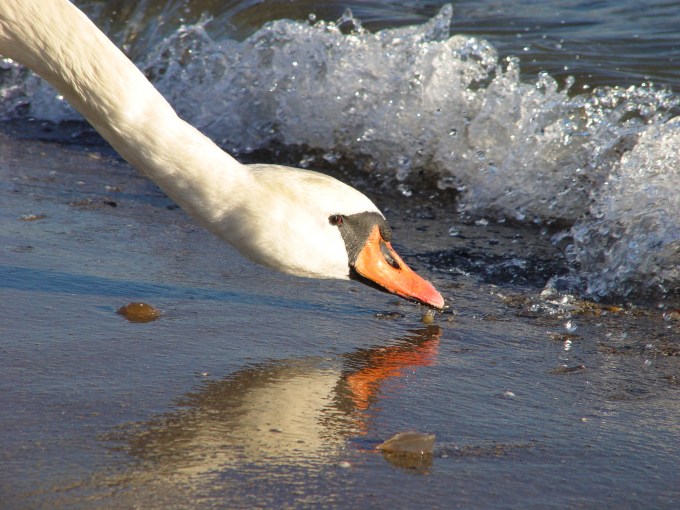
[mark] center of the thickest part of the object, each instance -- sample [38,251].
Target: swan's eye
[388,256]
[335,219]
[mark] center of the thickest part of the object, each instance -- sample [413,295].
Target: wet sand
[255,389]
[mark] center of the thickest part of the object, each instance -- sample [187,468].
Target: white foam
[24,94]
[630,241]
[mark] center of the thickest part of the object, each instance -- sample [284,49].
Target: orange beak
[380,264]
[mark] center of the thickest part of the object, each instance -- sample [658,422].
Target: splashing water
[400,101]
[630,241]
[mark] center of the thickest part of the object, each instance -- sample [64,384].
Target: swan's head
[372,260]
[309,224]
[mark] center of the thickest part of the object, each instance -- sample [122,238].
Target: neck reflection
[283,412]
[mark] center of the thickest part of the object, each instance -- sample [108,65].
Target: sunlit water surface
[516,193]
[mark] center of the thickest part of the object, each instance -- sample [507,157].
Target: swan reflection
[285,412]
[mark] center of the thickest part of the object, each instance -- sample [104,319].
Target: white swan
[295,221]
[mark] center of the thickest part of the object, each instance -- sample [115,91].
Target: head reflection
[278,412]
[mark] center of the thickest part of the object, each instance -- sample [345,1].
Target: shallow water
[255,389]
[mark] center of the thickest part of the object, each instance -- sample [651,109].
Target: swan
[292,220]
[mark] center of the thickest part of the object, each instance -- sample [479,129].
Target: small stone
[428,317]
[139,312]
[33,217]
[564,369]
[409,442]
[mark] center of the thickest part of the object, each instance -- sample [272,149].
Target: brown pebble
[562,370]
[409,442]
[139,312]
[389,315]
[33,217]
[428,317]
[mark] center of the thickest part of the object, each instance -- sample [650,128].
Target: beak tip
[434,299]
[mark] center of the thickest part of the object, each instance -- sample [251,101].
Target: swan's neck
[61,44]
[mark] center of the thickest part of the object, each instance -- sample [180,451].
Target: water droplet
[331,157]
[405,190]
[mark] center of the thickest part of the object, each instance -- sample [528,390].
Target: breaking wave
[602,166]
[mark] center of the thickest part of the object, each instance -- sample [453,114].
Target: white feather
[276,216]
